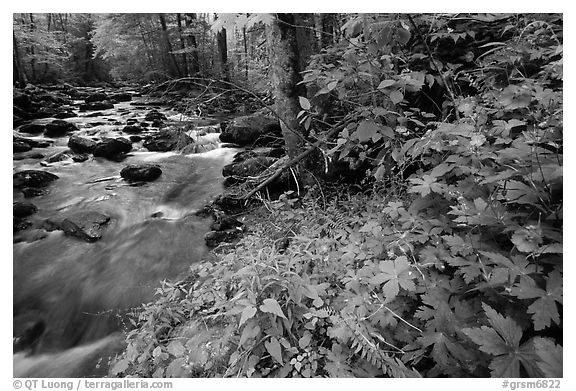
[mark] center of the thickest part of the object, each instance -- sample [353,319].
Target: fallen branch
[298,158]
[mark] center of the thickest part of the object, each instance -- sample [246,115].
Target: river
[81,291]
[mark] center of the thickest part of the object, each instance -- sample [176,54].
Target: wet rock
[113,147]
[96,97]
[154,115]
[23,209]
[141,172]
[45,112]
[121,97]
[31,155]
[168,140]
[135,139]
[132,129]
[33,178]
[64,114]
[63,156]
[94,114]
[223,223]
[30,192]
[81,144]
[200,146]
[144,124]
[104,105]
[33,143]
[20,224]
[21,146]
[59,128]
[214,238]
[27,333]
[32,128]
[251,130]
[249,167]
[88,226]
[157,123]
[79,157]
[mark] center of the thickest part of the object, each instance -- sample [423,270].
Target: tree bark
[284,59]
[182,46]
[168,46]
[223,50]
[18,72]
[192,43]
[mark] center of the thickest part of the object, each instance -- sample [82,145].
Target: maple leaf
[550,355]
[336,364]
[394,274]
[425,185]
[502,341]
[543,309]
[448,354]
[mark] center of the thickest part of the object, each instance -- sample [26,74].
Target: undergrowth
[451,269]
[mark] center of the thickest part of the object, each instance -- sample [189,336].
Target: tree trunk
[32,51]
[192,43]
[306,39]
[18,72]
[246,58]
[283,49]
[223,50]
[182,46]
[168,48]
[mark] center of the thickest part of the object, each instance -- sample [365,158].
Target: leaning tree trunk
[283,49]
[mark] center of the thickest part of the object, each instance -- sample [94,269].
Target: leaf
[304,103]
[120,366]
[502,340]
[273,347]
[248,313]
[527,239]
[550,355]
[386,83]
[176,368]
[394,274]
[305,340]
[396,96]
[176,348]
[544,309]
[365,131]
[425,185]
[272,306]
[330,86]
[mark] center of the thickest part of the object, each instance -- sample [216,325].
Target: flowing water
[79,289]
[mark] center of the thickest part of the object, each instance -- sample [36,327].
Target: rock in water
[59,128]
[132,129]
[252,129]
[112,147]
[214,238]
[20,146]
[81,144]
[249,167]
[32,128]
[168,140]
[33,178]
[23,209]
[141,172]
[88,226]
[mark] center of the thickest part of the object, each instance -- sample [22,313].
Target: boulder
[64,114]
[63,156]
[45,112]
[214,238]
[81,144]
[168,140]
[141,172]
[32,128]
[33,143]
[200,146]
[88,226]
[33,178]
[223,223]
[96,97]
[121,97]
[113,147]
[19,224]
[20,146]
[132,129]
[249,167]
[154,115]
[23,209]
[104,105]
[32,192]
[59,128]
[251,130]
[135,139]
